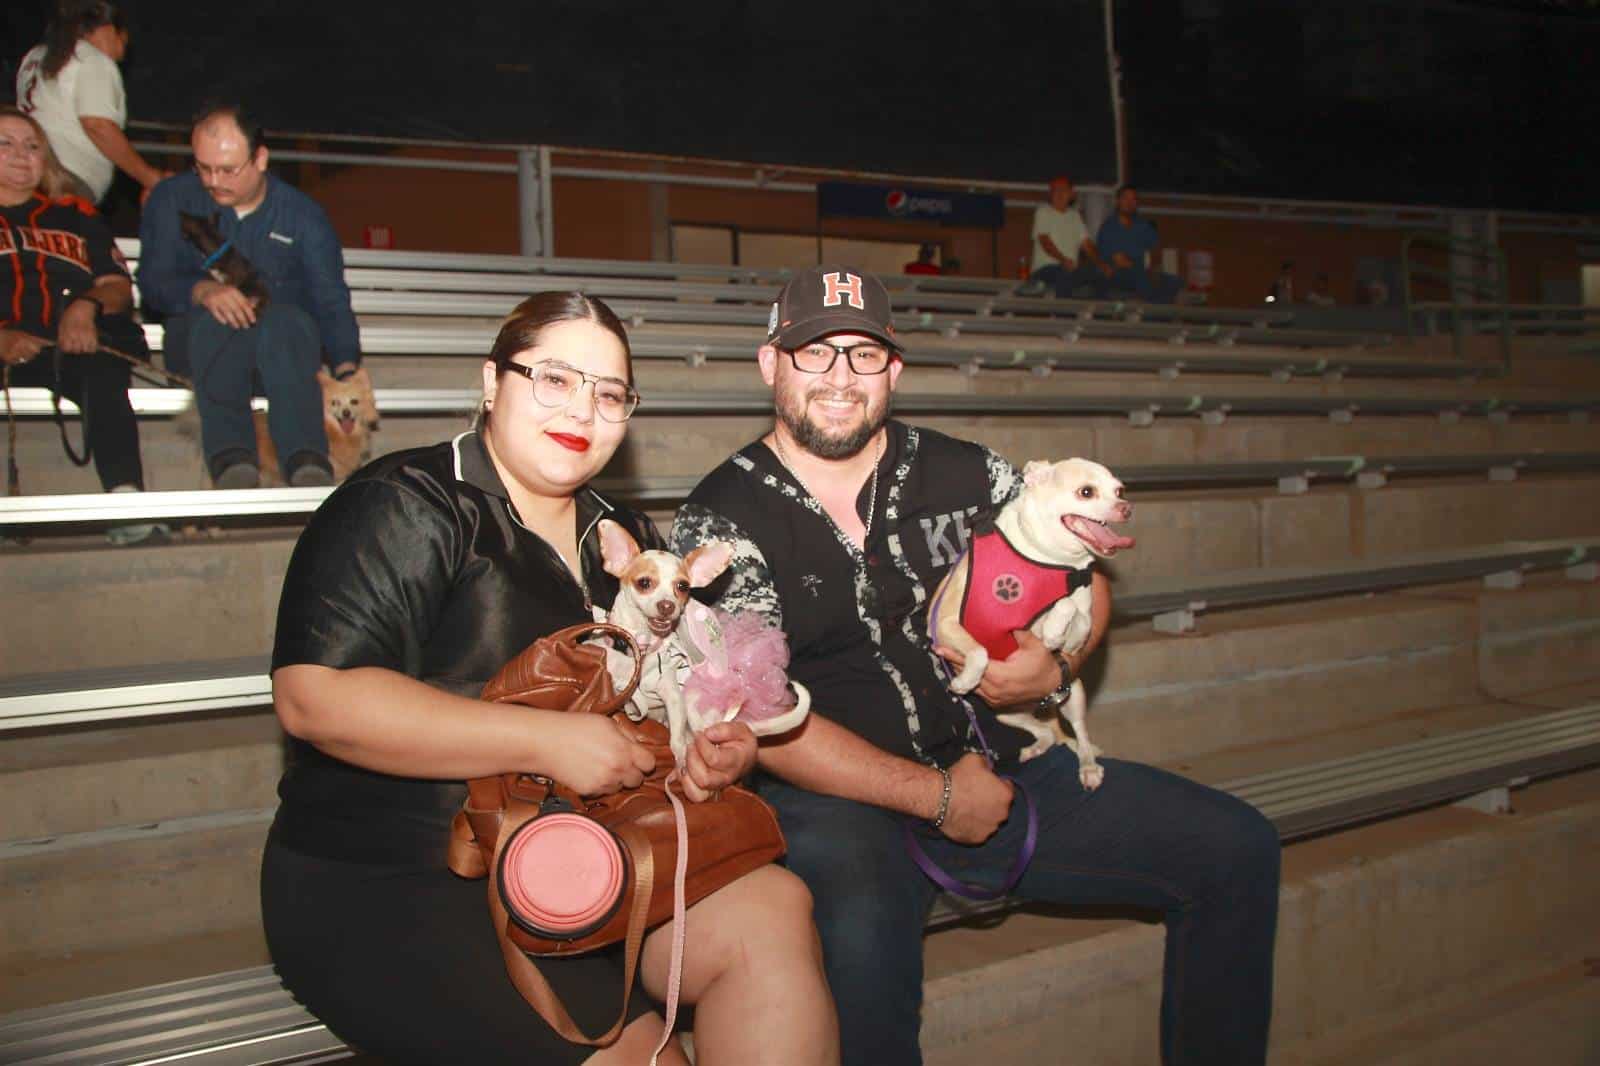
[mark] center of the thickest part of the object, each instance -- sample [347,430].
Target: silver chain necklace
[872,499]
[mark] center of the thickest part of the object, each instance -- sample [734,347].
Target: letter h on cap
[834,290]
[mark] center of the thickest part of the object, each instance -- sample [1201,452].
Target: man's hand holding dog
[980,801]
[226,303]
[719,755]
[1025,676]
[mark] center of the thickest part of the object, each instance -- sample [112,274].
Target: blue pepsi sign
[848,199]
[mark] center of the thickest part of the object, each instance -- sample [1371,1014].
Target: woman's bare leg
[752,965]
[638,1040]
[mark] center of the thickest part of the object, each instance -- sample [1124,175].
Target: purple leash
[1025,855]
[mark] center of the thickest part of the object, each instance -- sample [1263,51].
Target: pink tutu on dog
[744,673]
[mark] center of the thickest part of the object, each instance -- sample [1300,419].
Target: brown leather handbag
[569,874]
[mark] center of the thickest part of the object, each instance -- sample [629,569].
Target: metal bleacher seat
[32,402]
[38,514]
[460,284]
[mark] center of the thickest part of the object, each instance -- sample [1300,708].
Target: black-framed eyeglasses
[555,383]
[818,357]
[225,173]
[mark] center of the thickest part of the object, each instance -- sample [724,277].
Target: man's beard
[815,440]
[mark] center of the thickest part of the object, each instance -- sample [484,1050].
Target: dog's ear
[323,376]
[1037,472]
[706,562]
[363,381]
[617,547]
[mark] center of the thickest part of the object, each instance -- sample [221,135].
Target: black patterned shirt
[856,619]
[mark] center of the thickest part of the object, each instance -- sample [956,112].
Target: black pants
[402,963]
[98,384]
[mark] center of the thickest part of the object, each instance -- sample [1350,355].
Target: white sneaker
[134,532]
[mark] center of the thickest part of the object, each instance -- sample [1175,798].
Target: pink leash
[679,876]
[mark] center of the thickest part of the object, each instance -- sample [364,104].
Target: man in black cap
[843,522]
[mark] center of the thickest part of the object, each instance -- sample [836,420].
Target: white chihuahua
[1032,573]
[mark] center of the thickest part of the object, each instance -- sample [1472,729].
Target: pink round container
[561,875]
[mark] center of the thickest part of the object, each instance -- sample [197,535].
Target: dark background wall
[1477,104]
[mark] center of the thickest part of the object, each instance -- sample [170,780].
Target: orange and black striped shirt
[50,251]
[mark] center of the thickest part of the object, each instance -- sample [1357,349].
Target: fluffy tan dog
[349,414]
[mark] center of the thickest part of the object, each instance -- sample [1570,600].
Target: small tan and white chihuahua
[1032,572]
[711,673]
[651,598]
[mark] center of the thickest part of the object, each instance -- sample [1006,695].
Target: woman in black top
[62,284]
[411,586]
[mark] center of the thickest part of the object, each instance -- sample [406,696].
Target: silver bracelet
[944,800]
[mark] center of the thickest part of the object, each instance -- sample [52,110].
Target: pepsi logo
[896,201]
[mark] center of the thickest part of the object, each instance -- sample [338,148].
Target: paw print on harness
[1007,588]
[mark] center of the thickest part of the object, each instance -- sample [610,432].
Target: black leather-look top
[418,564]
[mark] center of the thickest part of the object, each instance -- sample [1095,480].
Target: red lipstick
[571,443]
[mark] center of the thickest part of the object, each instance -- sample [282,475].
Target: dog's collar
[221,251]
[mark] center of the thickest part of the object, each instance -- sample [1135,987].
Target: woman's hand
[76,335]
[17,347]
[719,755]
[593,754]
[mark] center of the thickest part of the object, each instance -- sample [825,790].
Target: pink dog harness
[1006,591]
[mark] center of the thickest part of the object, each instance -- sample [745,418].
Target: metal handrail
[1494,288]
[74,510]
[36,402]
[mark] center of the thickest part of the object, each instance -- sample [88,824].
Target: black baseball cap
[831,299]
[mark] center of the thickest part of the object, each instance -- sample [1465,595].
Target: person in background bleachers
[1065,257]
[924,263]
[1321,293]
[63,283]
[71,86]
[844,520]
[1130,241]
[225,339]
[1283,284]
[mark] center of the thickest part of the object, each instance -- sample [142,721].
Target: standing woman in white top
[71,86]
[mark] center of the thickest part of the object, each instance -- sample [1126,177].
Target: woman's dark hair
[523,327]
[219,107]
[73,20]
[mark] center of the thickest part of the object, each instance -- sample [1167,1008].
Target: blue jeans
[1066,282]
[282,350]
[1146,838]
[1152,286]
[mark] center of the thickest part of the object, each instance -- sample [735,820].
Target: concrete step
[1552,1020]
[86,779]
[1378,926]
[683,446]
[1267,674]
[669,444]
[1247,678]
[202,598]
[130,890]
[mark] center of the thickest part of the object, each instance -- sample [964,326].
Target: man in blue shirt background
[1127,239]
[228,342]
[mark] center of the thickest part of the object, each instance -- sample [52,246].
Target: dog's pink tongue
[1101,538]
